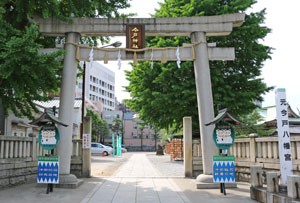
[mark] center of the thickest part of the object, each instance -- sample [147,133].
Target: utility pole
[142,132]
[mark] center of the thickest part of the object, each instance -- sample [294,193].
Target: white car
[100,149]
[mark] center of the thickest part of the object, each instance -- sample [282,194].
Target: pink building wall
[132,138]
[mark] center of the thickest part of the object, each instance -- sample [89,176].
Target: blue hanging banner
[113,145]
[223,169]
[119,145]
[48,169]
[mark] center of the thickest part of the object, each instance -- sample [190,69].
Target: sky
[282,71]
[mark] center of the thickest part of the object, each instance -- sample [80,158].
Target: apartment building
[99,85]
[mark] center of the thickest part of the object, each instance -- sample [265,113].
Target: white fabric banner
[285,152]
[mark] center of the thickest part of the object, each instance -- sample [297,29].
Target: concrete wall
[15,126]
[15,172]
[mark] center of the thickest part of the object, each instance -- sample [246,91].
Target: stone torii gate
[199,51]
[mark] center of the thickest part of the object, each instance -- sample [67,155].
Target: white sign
[48,137]
[86,142]
[285,153]
[224,136]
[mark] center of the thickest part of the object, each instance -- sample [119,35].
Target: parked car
[122,148]
[100,149]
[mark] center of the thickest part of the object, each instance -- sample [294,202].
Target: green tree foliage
[25,74]
[250,125]
[165,94]
[100,129]
[117,126]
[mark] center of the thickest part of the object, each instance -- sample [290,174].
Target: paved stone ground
[175,169]
[104,166]
[134,177]
[166,166]
[145,177]
[137,181]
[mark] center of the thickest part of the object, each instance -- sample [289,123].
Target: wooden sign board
[135,36]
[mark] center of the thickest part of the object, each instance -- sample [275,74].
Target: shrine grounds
[133,177]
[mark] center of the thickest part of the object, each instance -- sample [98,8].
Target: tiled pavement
[156,179]
[143,178]
[137,181]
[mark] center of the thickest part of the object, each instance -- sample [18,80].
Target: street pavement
[133,178]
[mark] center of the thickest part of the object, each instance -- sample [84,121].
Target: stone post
[256,176]
[66,108]
[272,182]
[34,158]
[252,137]
[86,153]
[188,147]
[292,190]
[205,104]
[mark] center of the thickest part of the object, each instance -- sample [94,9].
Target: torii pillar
[205,105]
[66,108]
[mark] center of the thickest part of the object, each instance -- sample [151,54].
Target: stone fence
[260,151]
[18,159]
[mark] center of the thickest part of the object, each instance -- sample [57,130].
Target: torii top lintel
[182,26]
